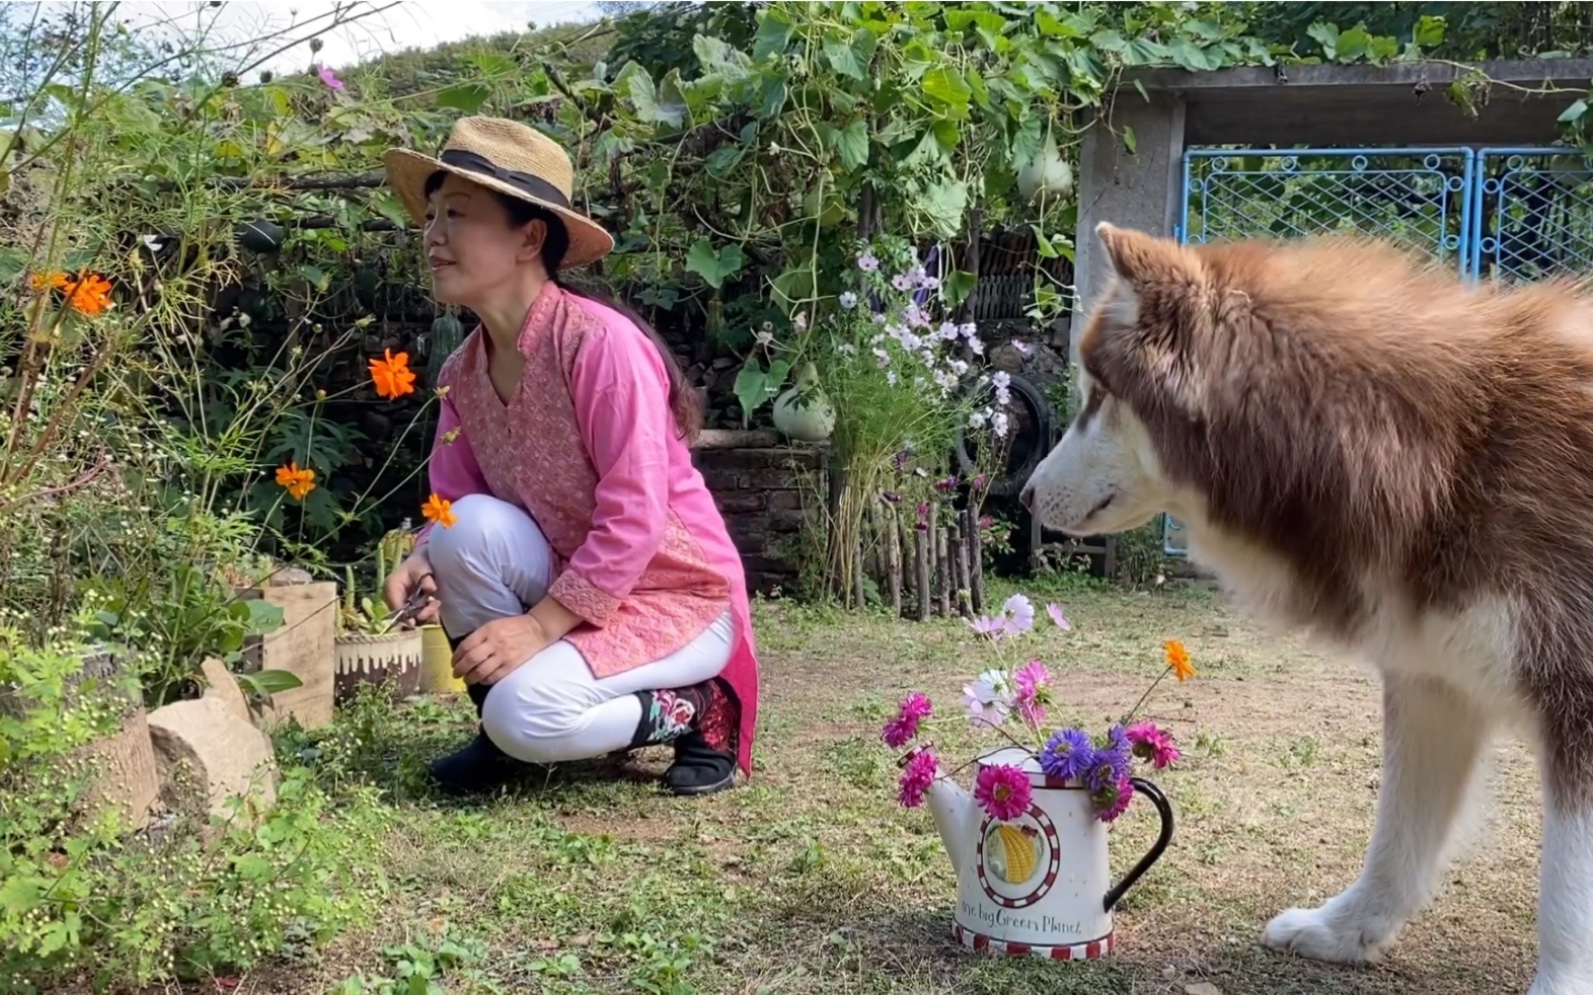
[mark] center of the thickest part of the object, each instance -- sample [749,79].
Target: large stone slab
[209,750]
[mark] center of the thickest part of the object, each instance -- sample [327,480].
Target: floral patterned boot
[700,721]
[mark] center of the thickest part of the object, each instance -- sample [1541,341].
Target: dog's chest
[1471,650]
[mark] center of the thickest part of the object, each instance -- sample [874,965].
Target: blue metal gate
[1512,213]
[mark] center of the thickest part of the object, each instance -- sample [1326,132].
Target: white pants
[494,562]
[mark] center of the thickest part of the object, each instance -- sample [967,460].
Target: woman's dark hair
[684,400]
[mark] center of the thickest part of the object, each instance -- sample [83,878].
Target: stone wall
[768,490]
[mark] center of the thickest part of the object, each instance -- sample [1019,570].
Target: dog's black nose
[1026,497]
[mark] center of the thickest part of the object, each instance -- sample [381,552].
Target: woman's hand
[414,574]
[493,651]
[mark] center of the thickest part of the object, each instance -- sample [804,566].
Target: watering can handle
[1164,810]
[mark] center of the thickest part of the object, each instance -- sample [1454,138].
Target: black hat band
[534,186]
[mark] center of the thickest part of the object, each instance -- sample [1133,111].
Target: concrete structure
[1513,103]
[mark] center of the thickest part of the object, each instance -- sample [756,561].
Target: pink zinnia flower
[329,77]
[1003,791]
[917,776]
[1153,744]
[913,710]
[1030,680]
[1055,611]
[1113,802]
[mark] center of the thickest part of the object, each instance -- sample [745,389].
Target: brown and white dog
[1361,445]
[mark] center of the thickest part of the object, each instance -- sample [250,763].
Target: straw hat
[508,157]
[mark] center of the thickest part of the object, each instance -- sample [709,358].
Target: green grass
[811,879]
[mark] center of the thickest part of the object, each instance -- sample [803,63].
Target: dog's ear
[1144,260]
[1151,319]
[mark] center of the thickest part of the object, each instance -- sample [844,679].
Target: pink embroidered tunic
[589,448]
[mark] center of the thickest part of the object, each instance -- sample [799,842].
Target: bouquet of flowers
[1002,697]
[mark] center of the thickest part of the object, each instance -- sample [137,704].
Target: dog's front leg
[1433,739]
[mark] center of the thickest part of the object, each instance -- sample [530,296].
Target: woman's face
[474,255]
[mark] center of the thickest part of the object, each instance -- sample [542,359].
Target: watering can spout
[956,817]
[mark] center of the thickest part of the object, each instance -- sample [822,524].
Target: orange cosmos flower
[42,282]
[438,510]
[1178,659]
[296,481]
[392,375]
[89,295]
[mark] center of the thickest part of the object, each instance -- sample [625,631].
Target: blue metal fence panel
[1533,215]
[1422,197]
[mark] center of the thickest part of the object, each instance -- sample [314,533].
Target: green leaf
[672,99]
[946,85]
[719,56]
[842,57]
[493,64]
[390,207]
[959,284]
[465,97]
[947,134]
[1042,244]
[945,203]
[252,866]
[315,277]
[1429,31]
[853,144]
[1108,40]
[774,35]
[793,287]
[864,43]
[712,266]
[263,616]
[1326,35]
[1130,142]
[271,682]
[723,160]
[1574,112]
[1354,44]
[13,262]
[755,385]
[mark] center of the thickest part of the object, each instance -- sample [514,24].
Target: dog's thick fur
[1362,445]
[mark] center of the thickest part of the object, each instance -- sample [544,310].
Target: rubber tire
[1034,398]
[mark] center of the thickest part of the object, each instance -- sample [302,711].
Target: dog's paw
[1329,933]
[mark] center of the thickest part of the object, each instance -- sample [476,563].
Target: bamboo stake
[959,559]
[893,562]
[909,573]
[943,570]
[858,575]
[976,559]
[921,538]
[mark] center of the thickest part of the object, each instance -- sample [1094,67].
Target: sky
[409,24]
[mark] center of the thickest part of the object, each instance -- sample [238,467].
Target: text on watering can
[997,916]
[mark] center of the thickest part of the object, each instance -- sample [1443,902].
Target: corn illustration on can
[1010,851]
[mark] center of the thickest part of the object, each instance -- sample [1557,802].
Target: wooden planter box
[302,645]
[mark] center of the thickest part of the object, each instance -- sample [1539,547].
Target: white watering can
[1038,885]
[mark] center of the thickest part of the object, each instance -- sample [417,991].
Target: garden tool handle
[1164,810]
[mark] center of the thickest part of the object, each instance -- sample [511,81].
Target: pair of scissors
[410,608]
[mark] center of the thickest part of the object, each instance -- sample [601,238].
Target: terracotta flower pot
[392,660]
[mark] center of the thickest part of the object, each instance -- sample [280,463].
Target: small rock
[1203,988]
[289,577]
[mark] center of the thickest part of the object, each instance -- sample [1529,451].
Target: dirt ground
[812,879]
